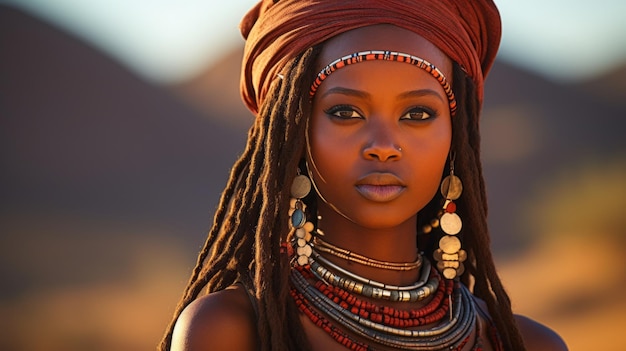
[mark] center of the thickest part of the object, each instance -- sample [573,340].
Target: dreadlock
[251,218]
[472,207]
[250,223]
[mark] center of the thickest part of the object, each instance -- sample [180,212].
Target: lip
[380,186]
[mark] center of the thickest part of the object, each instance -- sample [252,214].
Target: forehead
[384,37]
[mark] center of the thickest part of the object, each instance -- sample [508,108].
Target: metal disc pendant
[300,187]
[303,260]
[451,187]
[450,223]
[304,251]
[462,255]
[300,233]
[460,270]
[441,265]
[438,255]
[449,273]
[450,244]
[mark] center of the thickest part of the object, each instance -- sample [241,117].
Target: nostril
[382,153]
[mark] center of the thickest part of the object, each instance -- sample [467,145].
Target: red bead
[451,208]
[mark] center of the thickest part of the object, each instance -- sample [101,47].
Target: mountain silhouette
[82,134]
[108,184]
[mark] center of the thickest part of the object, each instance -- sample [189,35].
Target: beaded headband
[386,56]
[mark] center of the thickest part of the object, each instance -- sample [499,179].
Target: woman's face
[380,131]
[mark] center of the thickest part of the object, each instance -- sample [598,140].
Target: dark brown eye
[343,112]
[418,114]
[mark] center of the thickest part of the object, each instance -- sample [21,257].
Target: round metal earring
[449,255]
[300,188]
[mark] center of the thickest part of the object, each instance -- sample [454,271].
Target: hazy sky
[169,40]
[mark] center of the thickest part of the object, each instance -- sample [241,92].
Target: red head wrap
[467,31]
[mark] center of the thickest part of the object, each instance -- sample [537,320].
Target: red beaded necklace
[432,312]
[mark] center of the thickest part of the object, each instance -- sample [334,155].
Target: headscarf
[467,31]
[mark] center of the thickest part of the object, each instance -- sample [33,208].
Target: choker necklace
[348,255]
[369,288]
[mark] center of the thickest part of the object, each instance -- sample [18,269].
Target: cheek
[329,149]
[429,156]
[442,140]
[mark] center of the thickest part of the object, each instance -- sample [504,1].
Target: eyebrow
[365,95]
[347,91]
[421,93]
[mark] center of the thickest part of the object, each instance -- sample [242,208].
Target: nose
[381,145]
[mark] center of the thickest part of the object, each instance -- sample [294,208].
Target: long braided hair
[251,220]
[472,207]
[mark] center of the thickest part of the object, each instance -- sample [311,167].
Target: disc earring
[449,255]
[300,188]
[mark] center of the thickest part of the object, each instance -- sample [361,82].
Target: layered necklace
[340,301]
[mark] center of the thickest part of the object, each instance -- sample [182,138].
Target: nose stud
[382,153]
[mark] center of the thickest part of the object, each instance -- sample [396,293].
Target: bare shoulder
[224,320]
[539,337]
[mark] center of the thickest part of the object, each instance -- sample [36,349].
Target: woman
[356,217]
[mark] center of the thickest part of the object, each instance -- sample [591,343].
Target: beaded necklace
[446,333]
[416,292]
[327,294]
[348,255]
[433,311]
[349,342]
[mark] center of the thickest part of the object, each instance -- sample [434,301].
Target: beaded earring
[300,188]
[449,255]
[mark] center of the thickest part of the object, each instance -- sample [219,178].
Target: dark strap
[479,307]
[246,283]
[492,331]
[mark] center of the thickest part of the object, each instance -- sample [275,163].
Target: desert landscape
[109,183]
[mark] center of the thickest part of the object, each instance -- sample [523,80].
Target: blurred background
[120,119]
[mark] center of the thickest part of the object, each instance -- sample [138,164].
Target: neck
[396,244]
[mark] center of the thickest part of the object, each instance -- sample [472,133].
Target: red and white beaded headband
[387,56]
